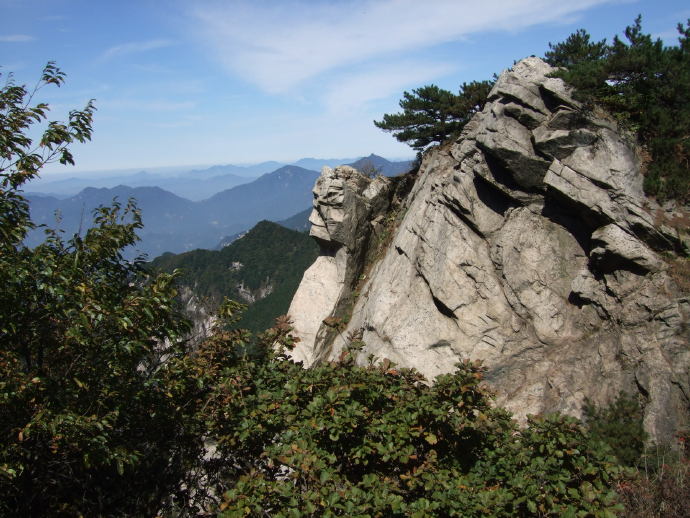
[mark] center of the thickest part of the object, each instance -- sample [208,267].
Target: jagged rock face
[346,208]
[528,244]
[250,296]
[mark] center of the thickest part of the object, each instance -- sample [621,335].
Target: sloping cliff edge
[526,243]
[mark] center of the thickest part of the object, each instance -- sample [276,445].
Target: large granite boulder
[528,244]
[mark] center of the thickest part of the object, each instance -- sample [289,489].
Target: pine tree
[431,114]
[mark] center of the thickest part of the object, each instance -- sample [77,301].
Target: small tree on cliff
[431,114]
[645,84]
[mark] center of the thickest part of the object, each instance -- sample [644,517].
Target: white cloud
[134,47]
[16,38]
[670,37]
[380,82]
[279,45]
[12,67]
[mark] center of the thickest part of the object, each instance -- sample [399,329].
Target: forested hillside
[262,269]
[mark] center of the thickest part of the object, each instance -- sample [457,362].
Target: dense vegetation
[105,410]
[642,82]
[87,425]
[268,256]
[343,440]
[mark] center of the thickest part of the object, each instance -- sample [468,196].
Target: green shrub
[345,440]
[88,421]
[619,427]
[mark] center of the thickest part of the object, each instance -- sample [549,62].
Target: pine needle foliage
[431,114]
[619,427]
[646,85]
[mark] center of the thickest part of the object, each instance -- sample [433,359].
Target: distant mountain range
[379,165]
[298,222]
[249,171]
[173,223]
[194,184]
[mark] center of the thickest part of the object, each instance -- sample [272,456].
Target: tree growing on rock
[576,49]
[431,114]
[645,84]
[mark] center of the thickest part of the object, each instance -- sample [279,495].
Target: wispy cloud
[12,67]
[16,38]
[55,18]
[134,47]
[670,37]
[378,82]
[278,46]
[185,122]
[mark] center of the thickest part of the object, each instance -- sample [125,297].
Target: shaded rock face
[346,212]
[528,244]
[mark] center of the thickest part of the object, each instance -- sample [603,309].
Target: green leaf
[431,438]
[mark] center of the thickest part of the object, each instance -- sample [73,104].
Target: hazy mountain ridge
[194,183]
[379,165]
[175,224]
[188,186]
[299,221]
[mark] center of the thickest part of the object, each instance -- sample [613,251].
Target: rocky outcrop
[347,211]
[250,296]
[202,317]
[526,243]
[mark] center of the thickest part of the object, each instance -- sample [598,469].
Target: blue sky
[241,81]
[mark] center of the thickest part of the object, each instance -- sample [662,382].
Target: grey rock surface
[344,219]
[528,244]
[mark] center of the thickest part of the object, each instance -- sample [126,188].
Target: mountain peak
[290,169]
[381,165]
